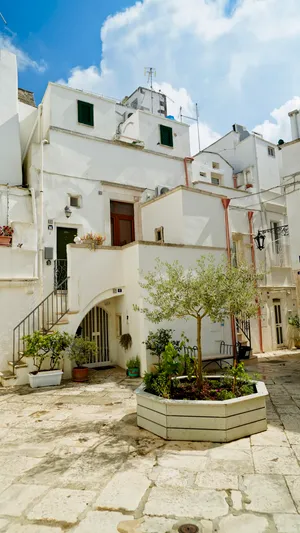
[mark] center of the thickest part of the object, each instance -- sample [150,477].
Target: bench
[225,356]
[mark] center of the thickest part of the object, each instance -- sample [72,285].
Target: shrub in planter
[42,347]
[81,351]
[133,367]
[158,340]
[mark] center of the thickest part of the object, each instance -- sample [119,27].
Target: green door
[64,236]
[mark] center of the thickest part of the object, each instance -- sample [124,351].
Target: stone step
[7,378]
[20,364]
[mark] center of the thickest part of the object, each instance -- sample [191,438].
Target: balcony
[279,256]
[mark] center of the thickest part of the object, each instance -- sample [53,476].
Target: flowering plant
[6,231]
[93,239]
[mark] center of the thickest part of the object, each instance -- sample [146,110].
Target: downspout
[41,235]
[250,218]
[225,203]
[185,160]
[34,220]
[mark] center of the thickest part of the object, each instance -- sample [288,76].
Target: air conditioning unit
[147,195]
[161,189]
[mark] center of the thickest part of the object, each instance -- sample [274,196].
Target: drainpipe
[185,161]
[41,236]
[37,121]
[250,218]
[225,203]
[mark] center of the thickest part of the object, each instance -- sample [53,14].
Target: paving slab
[61,505]
[275,460]
[287,523]
[17,497]
[3,524]
[217,480]
[104,521]
[172,478]
[267,494]
[32,528]
[174,502]
[178,461]
[124,491]
[245,523]
[294,486]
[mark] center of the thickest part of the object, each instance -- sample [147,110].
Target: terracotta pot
[5,240]
[80,374]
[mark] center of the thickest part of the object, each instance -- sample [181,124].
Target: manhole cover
[188,528]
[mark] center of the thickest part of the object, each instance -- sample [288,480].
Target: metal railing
[60,272]
[243,326]
[43,317]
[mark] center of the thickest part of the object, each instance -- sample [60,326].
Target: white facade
[111,159]
[10,149]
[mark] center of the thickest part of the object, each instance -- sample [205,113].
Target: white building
[290,175]
[94,164]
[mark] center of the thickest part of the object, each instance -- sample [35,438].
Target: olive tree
[208,289]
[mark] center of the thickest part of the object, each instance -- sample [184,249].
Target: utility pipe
[250,218]
[225,203]
[41,225]
[185,160]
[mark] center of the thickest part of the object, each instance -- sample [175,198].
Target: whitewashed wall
[27,118]
[203,163]
[10,148]
[267,166]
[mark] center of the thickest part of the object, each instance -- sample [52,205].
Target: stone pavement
[72,459]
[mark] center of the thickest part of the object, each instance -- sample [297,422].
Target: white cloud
[279,127]
[23,59]
[237,66]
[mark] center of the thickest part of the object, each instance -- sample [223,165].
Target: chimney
[294,124]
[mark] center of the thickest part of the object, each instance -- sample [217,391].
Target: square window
[215,165]
[202,174]
[166,136]
[75,201]
[215,181]
[271,151]
[159,234]
[85,113]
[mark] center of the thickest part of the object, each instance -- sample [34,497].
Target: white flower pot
[49,378]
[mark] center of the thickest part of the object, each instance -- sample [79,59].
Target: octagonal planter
[201,420]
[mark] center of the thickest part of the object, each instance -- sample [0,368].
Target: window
[271,151]
[202,174]
[215,165]
[119,325]
[276,244]
[166,136]
[75,201]
[159,234]
[85,113]
[215,178]
[215,181]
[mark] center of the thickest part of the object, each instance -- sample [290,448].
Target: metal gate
[95,328]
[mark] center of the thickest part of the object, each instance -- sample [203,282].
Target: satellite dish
[280,142]
[163,190]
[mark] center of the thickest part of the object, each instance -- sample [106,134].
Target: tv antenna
[1,16]
[193,118]
[150,72]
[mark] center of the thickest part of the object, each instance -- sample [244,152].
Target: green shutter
[85,113]
[166,135]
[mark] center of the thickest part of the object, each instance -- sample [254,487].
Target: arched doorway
[94,327]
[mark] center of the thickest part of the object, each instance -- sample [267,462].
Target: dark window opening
[85,113]
[122,223]
[166,136]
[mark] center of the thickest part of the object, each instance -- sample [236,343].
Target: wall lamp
[68,211]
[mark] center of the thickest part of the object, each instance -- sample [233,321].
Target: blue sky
[237,58]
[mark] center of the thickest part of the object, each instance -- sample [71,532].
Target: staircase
[243,333]
[49,314]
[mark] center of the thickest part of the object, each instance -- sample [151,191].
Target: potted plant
[125,341]
[6,233]
[42,347]
[133,367]
[294,323]
[93,240]
[81,351]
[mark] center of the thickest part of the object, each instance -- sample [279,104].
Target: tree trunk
[199,368]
